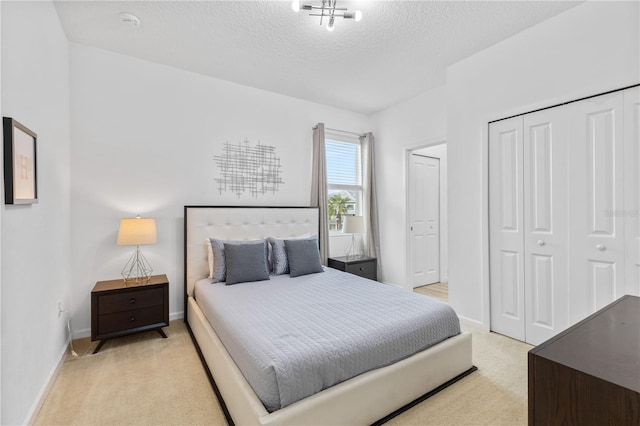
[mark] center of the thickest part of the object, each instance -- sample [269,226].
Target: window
[344,180]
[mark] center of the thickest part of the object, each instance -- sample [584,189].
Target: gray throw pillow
[303,256]
[245,263]
[219,262]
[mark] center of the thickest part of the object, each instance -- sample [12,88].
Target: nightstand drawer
[365,269]
[121,321]
[363,266]
[134,299]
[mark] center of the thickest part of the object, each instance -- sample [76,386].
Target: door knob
[541,243]
[601,247]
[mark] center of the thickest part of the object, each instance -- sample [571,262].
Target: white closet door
[596,200]
[632,189]
[506,227]
[545,224]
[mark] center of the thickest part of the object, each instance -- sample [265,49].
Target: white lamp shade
[353,225]
[137,231]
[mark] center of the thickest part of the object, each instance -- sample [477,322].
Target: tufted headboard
[237,223]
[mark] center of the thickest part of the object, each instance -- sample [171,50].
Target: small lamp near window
[136,232]
[353,225]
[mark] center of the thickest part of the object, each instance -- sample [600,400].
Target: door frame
[407,285]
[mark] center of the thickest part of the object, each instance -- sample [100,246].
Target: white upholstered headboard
[237,223]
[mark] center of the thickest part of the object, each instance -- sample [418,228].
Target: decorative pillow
[303,256]
[219,268]
[245,262]
[279,264]
[278,254]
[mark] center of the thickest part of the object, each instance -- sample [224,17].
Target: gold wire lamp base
[137,270]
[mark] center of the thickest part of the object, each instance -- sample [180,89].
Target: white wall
[589,49]
[440,152]
[415,123]
[143,140]
[35,238]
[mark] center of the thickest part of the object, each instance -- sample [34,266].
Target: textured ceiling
[399,49]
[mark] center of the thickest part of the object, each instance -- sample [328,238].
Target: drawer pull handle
[132,319]
[601,247]
[132,300]
[362,269]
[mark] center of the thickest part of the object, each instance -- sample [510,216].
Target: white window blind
[343,163]
[344,180]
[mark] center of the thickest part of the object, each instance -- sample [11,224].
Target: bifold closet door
[632,189]
[506,244]
[545,224]
[596,196]
[528,229]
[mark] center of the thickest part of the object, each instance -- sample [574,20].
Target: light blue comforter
[293,337]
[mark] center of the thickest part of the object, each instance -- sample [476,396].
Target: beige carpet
[147,380]
[135,380]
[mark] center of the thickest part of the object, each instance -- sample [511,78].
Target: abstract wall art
[248,169]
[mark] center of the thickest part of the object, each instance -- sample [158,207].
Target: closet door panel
[545,221]
[596,194]
[506,227]
[632,189]
[602,285]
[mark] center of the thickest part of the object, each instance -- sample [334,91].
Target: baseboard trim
[176,315]
[477,323]
[46,387]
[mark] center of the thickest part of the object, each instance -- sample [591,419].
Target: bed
[371,396]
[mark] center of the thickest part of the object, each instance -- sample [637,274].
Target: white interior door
[596,204]
[632,189]
[545,224]
[506,247]
[424,193]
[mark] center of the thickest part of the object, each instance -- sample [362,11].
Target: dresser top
[120,283]
[605,345]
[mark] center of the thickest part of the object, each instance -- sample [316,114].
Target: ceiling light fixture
[129,18]
[327,10]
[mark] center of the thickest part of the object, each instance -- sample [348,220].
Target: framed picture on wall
[20,165]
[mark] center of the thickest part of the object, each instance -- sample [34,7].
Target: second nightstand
[118,309]
[363,266]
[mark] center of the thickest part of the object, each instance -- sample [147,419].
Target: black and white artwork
[245,168]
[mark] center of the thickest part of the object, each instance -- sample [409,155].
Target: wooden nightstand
[119,309]
[363,266]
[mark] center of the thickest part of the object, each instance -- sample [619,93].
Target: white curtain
[319,189]
[370,204]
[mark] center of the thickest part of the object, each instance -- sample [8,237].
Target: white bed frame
[362,400]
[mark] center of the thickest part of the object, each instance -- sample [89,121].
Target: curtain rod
[341,131]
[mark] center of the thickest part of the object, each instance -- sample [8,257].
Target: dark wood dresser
[119,309]
[590,373]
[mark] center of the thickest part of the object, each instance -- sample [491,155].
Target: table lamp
[353,225]
[136,232]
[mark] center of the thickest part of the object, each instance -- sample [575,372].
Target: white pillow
[210,257]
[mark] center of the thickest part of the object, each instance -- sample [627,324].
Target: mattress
[293,337]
